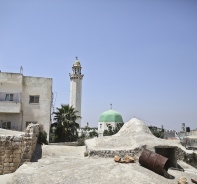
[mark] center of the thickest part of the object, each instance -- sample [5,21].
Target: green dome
[110,116]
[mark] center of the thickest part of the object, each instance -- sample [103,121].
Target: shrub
[42,137]
[81,141]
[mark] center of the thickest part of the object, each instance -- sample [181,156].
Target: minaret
[76,88]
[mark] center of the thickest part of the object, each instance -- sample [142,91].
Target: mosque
[107,118]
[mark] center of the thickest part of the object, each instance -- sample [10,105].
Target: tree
[112,131]
[66,129]
[156,132]
[93,134]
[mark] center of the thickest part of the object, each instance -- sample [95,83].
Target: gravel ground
[67,164]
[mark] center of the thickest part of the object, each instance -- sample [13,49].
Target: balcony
[10,102]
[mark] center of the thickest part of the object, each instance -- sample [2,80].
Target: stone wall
[112,153]
[17,149]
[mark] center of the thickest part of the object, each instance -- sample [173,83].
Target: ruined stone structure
[17,147]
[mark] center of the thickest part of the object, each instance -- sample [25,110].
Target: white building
[24,100]
[76,88]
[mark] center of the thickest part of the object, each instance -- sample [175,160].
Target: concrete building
[76,88]
[24,100]
[108,118]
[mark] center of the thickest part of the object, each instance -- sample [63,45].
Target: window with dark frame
[9,97]
[6,125]
[33,99]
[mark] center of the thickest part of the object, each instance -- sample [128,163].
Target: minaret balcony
[76,76]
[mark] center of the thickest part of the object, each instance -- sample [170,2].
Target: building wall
[75,96]
[15,119]
[40,113]
[22,87]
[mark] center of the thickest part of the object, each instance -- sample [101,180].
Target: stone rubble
[17,149]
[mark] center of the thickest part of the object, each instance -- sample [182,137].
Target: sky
[139,55]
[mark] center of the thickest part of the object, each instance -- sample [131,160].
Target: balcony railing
[10,102]
[10,97]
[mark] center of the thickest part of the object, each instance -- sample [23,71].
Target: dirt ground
[66,164]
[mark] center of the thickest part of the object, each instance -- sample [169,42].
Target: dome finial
[111,106]
[76,58]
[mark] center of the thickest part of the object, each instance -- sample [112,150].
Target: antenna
[21,70]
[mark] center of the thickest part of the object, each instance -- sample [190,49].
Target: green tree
[112,131]
[66,129]
[156,132]
[93,134]
[105,133]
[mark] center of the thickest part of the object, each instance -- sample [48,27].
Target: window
[9,97]
[100,126]
[33,99]
[28,122]
[6,125]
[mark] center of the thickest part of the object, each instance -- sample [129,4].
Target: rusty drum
[154,161]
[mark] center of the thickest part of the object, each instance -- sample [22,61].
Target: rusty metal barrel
[154,162]
[169,152]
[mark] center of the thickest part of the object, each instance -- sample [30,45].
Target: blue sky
[139,55]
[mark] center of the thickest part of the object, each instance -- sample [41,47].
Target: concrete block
[26,156]
[16,160]
[11,165]
[2,138]
[12,169]
[8,152]
[7,172]
[12,156]
[18,155]
[18,139]
[2,143]
[16,145]
[27,134]
[8,143]
[8,147]
[6,159]
[16,164]
[27,138]
[6,168]
[10,160]
[2,149]
[16,151]
[6,165]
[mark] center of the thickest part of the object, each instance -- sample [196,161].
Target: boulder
[117,158]
[128,159]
